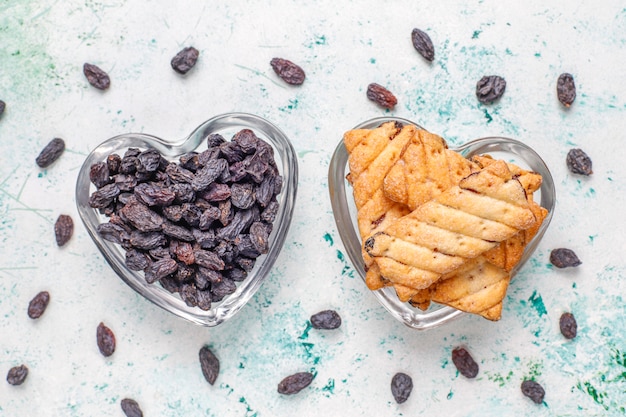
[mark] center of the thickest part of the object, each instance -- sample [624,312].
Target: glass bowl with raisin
[451,294]
[196,225]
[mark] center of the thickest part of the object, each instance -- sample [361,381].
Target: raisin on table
[380,95]
[295,383]
[3,106]
[568,325]
[185,60]
[288,71]
[50,153]
[326,319]
[423,44]
[464,362]
[17,375]
[105,339]
[96,76]
[63,229]
[533,390]
[38,304]
[401,387]
[564,258]
[490,88]
[578,162]
[566,89]
[209,364]
[131,408]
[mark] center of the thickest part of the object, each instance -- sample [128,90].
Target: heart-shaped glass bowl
[345,215]
[226,125]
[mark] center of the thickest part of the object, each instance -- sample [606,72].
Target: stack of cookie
[435,225]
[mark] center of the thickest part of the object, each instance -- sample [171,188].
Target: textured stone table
[343,46]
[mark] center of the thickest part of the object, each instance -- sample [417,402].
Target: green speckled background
[343,46]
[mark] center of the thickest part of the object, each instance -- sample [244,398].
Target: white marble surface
[343,46]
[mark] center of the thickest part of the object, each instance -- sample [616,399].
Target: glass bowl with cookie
[437,232]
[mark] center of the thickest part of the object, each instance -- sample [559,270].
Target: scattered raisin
[3,106]
[533,390]
[564,258]
[63,229]
[566,89]
[490,88]
[464,362]
[96,76]
[131,408]
[401,387]
[578,162]
[380,95]
[105,339]
[38,305]
[423,44]
[295,383]
[209,364]
[50,153]
[185,60]
[326,319]
[568,325]
[17,375]
[288,71]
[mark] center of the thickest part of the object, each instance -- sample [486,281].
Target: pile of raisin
[196,226]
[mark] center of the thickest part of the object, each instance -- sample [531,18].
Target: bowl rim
[337,184]
[287,163]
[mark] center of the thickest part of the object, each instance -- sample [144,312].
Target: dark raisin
[185,273]
[401,387]
[270,212]
[189,294]
[178,173]
[125,182]
[566,89]
[208,217]
[578,162]
[247,141]
[152,194]
[221,289]
[232,152]
[183,193]
[190,161]
[136,260]
[288,71]
[50,153]
[17,375]
[206,239]
[191,214]
[208,259]
[173,213]
[96,76]
[183,251]
[169,284]
[326,319]
[265,191]
[464,362]
[242,195]
[204,300]
[99,174]
[209,364]
[423,44]
[568,325]
[236,274]
[3,106]
[141,217]
[113,233]
[105,339]
[380,95]
[226,212]
[147,240]
[208,173]
[177,232]
[185,60]
[564,258]
[216,192]
[38,305]
[245,246]
[113,163]
[490,88]
[295,383]
[533,390]
[160,253]
[214,139]
[159,269]
[63,229]
[131,408]
[149,160]
[206,276]
[259,235]
[245,263]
